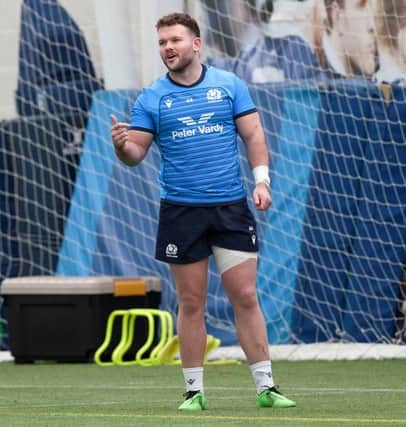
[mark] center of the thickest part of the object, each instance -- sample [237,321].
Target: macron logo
[198,127]
[204,118]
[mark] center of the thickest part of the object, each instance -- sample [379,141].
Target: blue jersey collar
[200,79]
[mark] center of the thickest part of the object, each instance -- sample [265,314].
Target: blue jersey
[194,128]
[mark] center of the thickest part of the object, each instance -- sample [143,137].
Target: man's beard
[180,66]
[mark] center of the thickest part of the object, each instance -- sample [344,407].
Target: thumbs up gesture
[119,132]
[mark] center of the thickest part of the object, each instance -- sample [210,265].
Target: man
[193,113]
[349,42]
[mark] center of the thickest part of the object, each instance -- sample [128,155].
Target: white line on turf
[214,388]
[244,419]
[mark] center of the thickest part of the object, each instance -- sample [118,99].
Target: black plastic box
[64,319]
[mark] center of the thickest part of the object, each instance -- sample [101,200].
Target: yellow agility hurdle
[128,319]
[161,353]
[169,351]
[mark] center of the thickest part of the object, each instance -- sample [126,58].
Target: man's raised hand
[119,132]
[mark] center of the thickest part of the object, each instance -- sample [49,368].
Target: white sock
[193,378]
[262,374]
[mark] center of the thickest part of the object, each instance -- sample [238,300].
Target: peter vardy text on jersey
[199,130]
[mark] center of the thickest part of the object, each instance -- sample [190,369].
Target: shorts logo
[171,251]
[251,230]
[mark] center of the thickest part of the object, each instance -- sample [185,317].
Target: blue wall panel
[378,246]
[331,212]
[92,185]
[282,235]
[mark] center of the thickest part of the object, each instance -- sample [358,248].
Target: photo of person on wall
[292,40]
[349,46]
[390,18]
[282,52]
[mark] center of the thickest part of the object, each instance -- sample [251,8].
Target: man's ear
[197,42]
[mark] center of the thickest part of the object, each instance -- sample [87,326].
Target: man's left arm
[250,129]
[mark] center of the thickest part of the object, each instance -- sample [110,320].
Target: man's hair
[390,19]
[181,19]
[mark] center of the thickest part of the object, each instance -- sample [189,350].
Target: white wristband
[261,174]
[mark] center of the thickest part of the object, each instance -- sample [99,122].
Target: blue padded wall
[353,243]
[378,246]
[331,210]
[282,234]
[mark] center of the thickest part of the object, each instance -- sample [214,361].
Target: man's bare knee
[191,307]
[245,299]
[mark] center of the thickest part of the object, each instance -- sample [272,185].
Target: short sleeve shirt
[194,128]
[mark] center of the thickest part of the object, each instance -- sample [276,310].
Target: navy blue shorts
[187,233]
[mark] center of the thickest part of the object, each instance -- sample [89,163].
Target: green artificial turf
[339,393]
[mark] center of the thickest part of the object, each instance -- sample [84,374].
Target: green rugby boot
[194,401]
[272,398]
